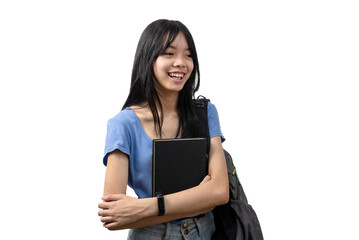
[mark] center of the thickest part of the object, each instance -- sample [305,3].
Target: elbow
[222,195]
[225,197]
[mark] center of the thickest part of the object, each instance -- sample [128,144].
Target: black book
[178,164]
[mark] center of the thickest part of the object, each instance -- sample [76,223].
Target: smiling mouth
[178,76]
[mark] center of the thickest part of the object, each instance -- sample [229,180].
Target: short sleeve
[117,137]
[213,122]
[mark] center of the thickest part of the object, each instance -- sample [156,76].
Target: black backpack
[235,220]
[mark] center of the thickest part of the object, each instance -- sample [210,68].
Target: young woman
[165,77]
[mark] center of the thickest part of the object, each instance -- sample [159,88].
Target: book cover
[178,164]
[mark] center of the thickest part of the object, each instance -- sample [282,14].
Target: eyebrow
[170,46]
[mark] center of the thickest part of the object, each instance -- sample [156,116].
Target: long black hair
[143,89]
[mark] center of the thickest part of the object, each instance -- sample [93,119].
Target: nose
[179,62]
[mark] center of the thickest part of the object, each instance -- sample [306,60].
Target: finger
[108,219]
[104,213]
[110,226]
[104,205]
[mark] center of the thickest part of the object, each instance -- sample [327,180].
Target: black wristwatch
[161,204]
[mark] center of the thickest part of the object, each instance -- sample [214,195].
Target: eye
[188,54]
[167,54]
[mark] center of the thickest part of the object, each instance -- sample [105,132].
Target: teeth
[176,75]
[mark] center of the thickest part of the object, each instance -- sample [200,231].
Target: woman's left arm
[209,194]
[187,203]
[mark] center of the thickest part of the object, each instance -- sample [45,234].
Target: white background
[283,75]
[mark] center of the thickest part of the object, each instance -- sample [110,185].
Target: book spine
[153,169]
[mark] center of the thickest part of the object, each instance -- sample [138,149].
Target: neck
[169,102]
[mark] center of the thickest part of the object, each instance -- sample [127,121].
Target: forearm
[198,199]
[188,203]
[154,220]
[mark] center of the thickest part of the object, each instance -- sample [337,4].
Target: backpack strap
[201,124]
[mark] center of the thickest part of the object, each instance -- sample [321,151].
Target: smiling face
[173,67]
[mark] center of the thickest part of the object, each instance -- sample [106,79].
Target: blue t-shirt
[125,133]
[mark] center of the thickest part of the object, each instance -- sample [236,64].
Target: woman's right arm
[116,173]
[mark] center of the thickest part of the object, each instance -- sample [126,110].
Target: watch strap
[161,204]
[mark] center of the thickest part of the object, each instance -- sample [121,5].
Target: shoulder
[211,109]
[211,106]
[125,117]
[119,133]
[213,122]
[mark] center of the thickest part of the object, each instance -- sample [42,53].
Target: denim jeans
[188,229]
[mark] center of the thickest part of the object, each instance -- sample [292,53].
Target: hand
[119,210]
[205,179]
